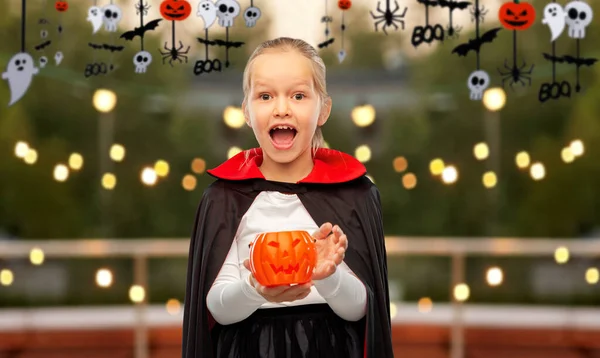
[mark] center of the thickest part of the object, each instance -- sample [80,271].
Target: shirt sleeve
[232,299]
[344,292]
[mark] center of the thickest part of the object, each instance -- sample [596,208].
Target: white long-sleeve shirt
[232,299]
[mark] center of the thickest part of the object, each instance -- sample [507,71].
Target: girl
[289,183]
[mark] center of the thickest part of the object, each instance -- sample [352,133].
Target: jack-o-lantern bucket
[283,258]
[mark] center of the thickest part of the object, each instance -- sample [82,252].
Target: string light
[188,182]
[425,305]
[6,277]
[109,181]
[481,151]
[31,156]
[489,179]
[161,168]
[75,161]
[436,166]
[561,255]
[148,176]
[137,293]
[117,152]
[592,275]
[450,175]
[61,172]
[363,153]
[409,181]
[577,147]
[363,116]
[233,117]
[173,307]
[522,159]
[36,256]
[537,171]
[233,151]
[198,165]
[400,164]
[21,149]
[494,276]
[566,154]
[461,292]
[104,277]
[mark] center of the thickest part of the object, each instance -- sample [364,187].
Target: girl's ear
[246,114]
[325,112]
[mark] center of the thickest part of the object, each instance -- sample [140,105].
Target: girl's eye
[299,96]
[264,97]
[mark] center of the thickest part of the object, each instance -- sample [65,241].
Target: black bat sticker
[108,47]
[43,45]
[571,60]
[461,5]
[227,44]
[475,45]
[326,43]
[139,31]
[429,2]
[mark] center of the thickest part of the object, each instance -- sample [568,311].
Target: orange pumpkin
[344,4]
[283,258]
[175,10]
[61,6]
[516,15]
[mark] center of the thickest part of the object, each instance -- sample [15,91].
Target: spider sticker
[478,80]
[143,58]
[174,10]
[343,5]
[326,19]
[388,17]
[21,67]
[577,16]
[516,16]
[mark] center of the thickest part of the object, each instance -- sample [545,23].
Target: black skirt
[308,331]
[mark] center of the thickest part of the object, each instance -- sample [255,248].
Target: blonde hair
[308,51]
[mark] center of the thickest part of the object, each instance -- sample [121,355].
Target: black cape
[353,204]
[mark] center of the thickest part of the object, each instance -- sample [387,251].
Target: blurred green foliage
[57,117]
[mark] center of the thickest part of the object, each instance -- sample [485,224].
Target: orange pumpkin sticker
[283,258]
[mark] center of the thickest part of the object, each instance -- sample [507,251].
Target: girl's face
[283,106]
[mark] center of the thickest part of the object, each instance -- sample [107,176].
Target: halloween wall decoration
[227,11]
[577,15]
[453,31]
[95,16]
[427,33]
[251,15]
[112,16]
[326,19]
[174,10]
[143,58]
[207,10]
[61,7]
[516,16]
[343,5]
[478,80]
[45,42]
[283,258]
[21,67]
[388,17]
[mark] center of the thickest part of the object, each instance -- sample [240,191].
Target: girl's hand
[331,250]
[278,294]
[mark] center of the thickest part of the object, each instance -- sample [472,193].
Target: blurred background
[490,206]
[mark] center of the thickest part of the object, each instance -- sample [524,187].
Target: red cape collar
[331,166]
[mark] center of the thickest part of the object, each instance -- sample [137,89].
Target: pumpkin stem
[516,1]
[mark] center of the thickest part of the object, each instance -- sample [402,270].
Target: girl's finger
[323,231]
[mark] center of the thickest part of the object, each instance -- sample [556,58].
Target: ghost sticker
[208,12]
[19,74]
[96,18]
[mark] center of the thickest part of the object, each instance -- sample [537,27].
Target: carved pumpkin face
[283,258]
[344,4]
[516,15]
[61,6]
[175,10]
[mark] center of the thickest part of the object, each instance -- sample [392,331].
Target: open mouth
[283,136]
[516,23]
